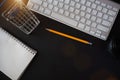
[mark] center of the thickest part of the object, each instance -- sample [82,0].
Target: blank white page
[14,55]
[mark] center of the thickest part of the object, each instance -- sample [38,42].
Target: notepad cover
[14,55]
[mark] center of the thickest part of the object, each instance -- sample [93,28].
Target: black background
[60,58]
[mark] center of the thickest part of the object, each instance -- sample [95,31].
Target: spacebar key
[64,19]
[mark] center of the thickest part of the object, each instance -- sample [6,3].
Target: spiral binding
[32,51]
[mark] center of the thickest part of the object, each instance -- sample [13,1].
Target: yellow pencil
[68,36]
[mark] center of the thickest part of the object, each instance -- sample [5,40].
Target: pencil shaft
[68,36]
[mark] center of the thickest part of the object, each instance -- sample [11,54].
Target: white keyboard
[94,17]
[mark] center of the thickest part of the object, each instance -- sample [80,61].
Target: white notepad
[14,55]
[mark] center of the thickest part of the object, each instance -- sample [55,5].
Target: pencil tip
[46,28]
[90,43]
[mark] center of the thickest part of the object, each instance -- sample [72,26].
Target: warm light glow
[19,1]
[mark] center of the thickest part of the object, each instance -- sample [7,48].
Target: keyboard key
[67,1]
[71,9]
[94,12]
[45,4]
[66,7]
[109,6]
[99,8]
[77,5]
[55,9]
[81,25]
[103,4]
[77,18]
[99,14]
[49,1]
[92,0]
[87,16]
[106,23]
[94,24]
[112,13]
[35,7]
[65,19]
[105,16]
[83,2]
[72,15]
[72,3]
[83,8]
[104,10]
[93,18]
[83,20]
[93,29]
[30,5]
[102,36]
[38,1]
[77,11]
[99,20]
[97,34]
[60,5]
[115,9]
[55,3]
[89,10]
[88,22]
[87,28]
[61,11]
[98,31]
[90,16]
[103,28]
[82,13]
[66,13]
[111,19]
[50,6]
[47,11]
[61,0]
[88,4]
[77,0]
[92,32]
[41,9]
[94,6]
[97,2]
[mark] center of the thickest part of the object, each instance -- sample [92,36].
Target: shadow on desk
[60,58]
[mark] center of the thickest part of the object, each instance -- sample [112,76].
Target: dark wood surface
[60,58]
